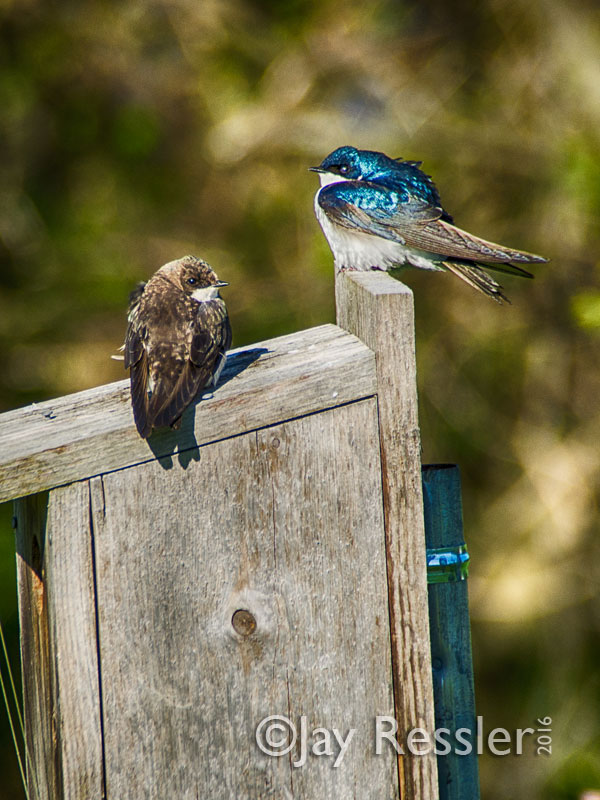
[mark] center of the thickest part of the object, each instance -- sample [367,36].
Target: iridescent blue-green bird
[379,212]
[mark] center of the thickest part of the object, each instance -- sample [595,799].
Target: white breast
[363,251]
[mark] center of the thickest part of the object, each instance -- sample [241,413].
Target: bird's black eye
[343,169]
[192,281]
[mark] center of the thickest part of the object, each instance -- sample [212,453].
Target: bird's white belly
[362,251]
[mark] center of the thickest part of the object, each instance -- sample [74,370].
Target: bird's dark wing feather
[136,361]
[376,209]
[170,399]
[168,406]
[445,239]
[224,337]
[134,299]
[212,316]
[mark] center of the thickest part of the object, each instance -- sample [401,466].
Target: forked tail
[478,279]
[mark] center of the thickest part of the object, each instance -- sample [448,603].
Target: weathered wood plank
[450,635]
[58,641]
[69,577]
[92,432]
[43,777]
[379,310]
[285,524]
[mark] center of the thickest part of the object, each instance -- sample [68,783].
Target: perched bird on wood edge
[176,340]
[379,213]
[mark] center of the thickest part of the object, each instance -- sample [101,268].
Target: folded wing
[401,217]
[209,338]
[136,361]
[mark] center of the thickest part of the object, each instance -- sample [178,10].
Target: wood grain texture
[450,635]
[43,777]
[286,525]
[379,310]
[61,685]
[69,577]
[92,432]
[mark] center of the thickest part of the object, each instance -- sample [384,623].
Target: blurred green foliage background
[132,134]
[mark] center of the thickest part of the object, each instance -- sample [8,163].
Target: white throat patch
[329,177]
[205,294]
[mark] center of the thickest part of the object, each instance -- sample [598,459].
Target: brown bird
[176,340]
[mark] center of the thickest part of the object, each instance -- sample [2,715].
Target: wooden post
[450,634]
[379,310]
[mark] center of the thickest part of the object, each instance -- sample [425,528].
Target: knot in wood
[243,622]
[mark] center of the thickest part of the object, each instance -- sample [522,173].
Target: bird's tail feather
[478,279]
[510,269]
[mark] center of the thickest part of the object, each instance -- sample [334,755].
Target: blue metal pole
[447,567]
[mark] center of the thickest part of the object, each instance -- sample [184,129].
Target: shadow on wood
[183,440]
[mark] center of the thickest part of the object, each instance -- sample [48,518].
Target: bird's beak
[221,283]
[317,169]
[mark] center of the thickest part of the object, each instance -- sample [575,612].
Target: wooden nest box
[266,559]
